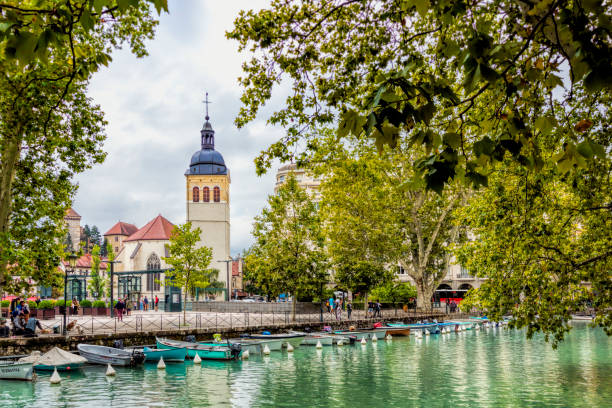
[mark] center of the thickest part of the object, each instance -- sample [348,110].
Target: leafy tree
[110,255]
[49,129]
[456,78]
[95,237]
[97,283]
[287,256]
[395,292]
[374,219]
[543,240]
[189,264]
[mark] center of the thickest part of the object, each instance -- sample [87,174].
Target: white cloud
[155,111]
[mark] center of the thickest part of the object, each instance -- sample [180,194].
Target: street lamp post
[112,284]
[72,258]
[227,290]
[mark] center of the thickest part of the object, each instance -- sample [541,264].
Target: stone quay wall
[21,346]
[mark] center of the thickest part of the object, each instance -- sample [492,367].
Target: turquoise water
[492,368]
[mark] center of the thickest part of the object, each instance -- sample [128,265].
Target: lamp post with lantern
[72,259]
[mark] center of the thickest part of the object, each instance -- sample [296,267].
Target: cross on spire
[206,101]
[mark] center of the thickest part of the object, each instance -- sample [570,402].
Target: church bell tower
[208,200]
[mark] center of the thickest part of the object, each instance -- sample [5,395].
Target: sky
[155,112]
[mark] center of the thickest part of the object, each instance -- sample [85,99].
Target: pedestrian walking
[156,302]
[370,310]
[349,309]
[378,309]
[119,306]
[146,304]
[331,305]
[338,310]
[74,306]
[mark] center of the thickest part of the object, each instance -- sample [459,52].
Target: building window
[217,194]
[401,270]
[196,194]
[281,178]
[116,249]
[206,194]
[153,264]
[116,239]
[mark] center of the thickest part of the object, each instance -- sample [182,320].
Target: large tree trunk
[424,293]
[8,161]
[293,304]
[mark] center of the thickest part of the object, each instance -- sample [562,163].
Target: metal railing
[153,322]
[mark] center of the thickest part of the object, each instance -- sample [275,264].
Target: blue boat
[153,355]
[232,352]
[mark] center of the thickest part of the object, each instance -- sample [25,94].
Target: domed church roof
[207,160]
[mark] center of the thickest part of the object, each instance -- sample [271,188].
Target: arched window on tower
[217,194]
[206,194]
[153,264]
[196,194]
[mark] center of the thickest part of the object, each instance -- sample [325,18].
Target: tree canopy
[49,129]
[287,256]
[190,264]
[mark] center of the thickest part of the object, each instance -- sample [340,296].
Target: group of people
[451,305]
[337,306]
[374,309]
[23,324]
[124,306]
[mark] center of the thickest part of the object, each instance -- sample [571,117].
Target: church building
[141,250]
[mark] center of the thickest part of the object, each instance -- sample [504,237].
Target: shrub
[45,304]
[5,303]
[85,303]
[60,303]
[99,303]
[32,304]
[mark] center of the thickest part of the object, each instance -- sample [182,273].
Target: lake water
[488,368]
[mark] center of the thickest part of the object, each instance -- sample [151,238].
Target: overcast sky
[155,112]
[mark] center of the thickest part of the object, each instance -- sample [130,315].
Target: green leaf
[86,20]
[25,45]
[422,7]
[544,124]
[584,149]
[452,139]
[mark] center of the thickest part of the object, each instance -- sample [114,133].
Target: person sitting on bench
[30,327]
[18,325]
[4,329]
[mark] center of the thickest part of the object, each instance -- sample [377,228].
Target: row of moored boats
[173,351]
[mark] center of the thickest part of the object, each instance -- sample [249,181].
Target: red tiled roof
[70,213]
[85,262]
[157,228]
[122,228]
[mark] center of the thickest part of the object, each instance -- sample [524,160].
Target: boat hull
[108,355]
[397,331]
[205,352]
[59,367]
[313,340]
[294,339]
[17,371]
[257,345]
[170,355]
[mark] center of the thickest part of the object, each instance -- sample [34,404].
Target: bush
[60,303]
[32,304]
[5,303]
[85,303]
[46,304]
[98,303]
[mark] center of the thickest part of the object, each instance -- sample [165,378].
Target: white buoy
[363,341]
[110,370]
[161,365]
[289,348]
[477,327]
[340,343]
[55,378]
[319,345]
[389,337]
[245,355]
[418,334]
[374,339]
[427,333]
[266,350]
[197,359]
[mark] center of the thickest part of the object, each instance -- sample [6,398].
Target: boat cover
[54,357]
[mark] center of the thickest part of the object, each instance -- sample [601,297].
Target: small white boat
[257,345]
[11,370]
[109,355]
[313,339]
[582,317]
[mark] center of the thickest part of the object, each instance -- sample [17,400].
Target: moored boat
[56,358]
[314,338]
[366,333]
[397,330]
[205,352]
[153,355]
[110,355]
[257,345]
[13,370]
[293,338]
